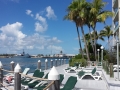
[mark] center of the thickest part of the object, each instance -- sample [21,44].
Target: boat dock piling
[51,63]
[12,65]
[39,64]
[1,74]
[17,77]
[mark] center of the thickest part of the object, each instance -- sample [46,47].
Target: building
[116,21]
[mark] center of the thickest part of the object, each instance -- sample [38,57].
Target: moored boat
[23,55]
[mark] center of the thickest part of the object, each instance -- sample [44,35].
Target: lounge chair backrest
[36,73]
[93,71]
[70,83]
[46,76]
[61,77]
[40,74]
[81,73]
[26,70]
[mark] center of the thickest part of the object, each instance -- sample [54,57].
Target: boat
[23,55]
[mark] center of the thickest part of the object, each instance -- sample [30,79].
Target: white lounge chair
[91,75]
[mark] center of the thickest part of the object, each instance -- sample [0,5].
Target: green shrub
[79,56]
[81,61]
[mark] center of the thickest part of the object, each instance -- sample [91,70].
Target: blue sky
[37,26]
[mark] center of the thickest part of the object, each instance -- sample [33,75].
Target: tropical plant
[98,15]
[107,32]
[72,16]
[81,12]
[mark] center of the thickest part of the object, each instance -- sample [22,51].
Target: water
[28,62]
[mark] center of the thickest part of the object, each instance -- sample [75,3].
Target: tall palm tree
[82,11]
[107,32]
[73,17]
[98,15]
[77,9]
[88,20]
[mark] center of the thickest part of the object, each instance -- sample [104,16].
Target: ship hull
[25,56]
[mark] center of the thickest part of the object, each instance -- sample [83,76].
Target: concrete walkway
[106,83]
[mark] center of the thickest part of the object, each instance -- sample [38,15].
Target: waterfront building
[116,17]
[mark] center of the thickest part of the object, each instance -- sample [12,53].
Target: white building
[116,18]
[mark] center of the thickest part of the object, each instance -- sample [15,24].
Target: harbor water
[29,62]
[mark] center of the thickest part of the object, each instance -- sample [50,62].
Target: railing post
[1,74]
[111,70]
[54,76]
[12,65]
[107,69]
[105,65]
[17,70]
[59,62]
[56,62]
[51,63]
[46,64]
[39,64]
[64,61]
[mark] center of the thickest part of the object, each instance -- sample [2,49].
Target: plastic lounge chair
[73,68]
[92,75]
[10,76]
[69,85]
[25,72]
[43,84]
[37,73]
[34,83]
[70,69]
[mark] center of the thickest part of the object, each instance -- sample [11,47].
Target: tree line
[89,14]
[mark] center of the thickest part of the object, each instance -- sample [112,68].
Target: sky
[37,26]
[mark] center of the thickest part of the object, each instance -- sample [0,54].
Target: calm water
[27,62]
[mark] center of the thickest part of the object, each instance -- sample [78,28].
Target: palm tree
[77,12]
[107,32]
[82,12]
[88,20]
[61,52]
[98,15]
[72,16]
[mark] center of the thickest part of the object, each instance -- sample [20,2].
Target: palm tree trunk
[91,39]
[87,52]
[95,43]
[108,43]
[79,42]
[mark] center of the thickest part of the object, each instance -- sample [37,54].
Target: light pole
[101,53]
[118,58]
[98,55]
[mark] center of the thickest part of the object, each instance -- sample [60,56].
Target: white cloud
[50,13]
[41,25]
[12,40]
[40,47]
[29,12]
[55,49]
[29,47]
[12,30]
[12,36]
[40,18]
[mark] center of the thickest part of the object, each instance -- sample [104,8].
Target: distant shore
[40,57]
